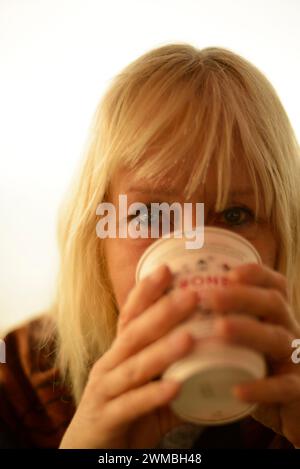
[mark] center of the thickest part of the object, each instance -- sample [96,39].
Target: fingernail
[159,273]
[180,339]
[240,392]
[170,386]
[233,276]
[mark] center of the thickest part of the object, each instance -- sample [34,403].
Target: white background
[56,58]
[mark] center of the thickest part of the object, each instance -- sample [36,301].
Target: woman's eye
[235,216]
[145,217]
[160,221]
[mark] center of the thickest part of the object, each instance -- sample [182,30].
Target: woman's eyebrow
[243,191]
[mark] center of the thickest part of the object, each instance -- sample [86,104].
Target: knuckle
[93,380]
[100,390]
[133,371]
[97,368]
[124,343]
[122,321]
[125,311]
[276,298]
[128,340]
[283,283]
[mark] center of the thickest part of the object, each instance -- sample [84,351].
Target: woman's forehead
[125,181]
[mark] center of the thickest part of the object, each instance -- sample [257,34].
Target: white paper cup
[214,367]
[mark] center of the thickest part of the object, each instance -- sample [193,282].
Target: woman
[176,124]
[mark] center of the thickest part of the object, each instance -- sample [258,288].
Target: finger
[267,304]
[149,363]
[259,275]
[280,389]
[158,320]
[145,293]
[272,340]
[138,402]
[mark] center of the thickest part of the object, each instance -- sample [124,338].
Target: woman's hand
[123,406]
[259,292]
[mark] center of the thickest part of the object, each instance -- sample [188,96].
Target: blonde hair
[175,103]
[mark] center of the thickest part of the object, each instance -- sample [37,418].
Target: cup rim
[210,229]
